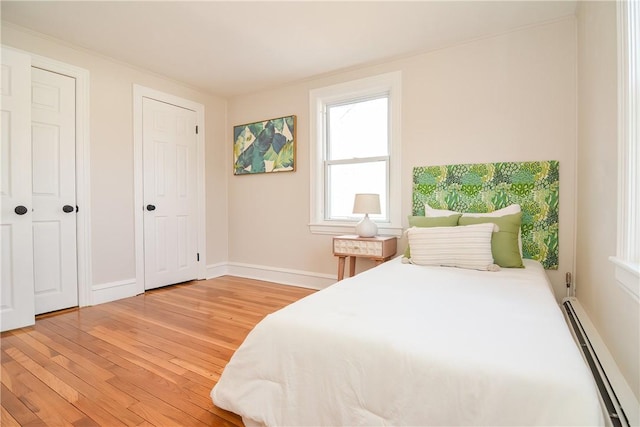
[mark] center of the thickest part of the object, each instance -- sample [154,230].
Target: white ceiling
[234,47]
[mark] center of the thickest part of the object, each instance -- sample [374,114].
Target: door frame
[83,199]
[140,92]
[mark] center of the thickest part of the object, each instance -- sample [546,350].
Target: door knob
[20,210]
[67,208]
[151,207]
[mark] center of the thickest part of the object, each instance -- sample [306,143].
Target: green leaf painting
[267,146]
[488,187]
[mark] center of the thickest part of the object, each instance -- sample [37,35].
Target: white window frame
[354,90]
[627,268]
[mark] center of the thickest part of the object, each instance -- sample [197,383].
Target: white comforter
[410,345]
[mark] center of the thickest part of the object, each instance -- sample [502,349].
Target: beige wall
[111,150]
[505,98]
[614,313]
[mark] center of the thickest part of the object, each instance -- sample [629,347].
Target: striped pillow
[467,246]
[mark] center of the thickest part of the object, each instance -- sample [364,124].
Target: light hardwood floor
[146,360]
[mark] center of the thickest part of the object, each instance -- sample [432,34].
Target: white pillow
[509,210]
[431,212]
[466,246]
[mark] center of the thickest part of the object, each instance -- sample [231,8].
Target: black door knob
[20,210]
[151,207]
[67,208]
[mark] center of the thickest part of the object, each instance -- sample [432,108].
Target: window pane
[345,181]
[358,130]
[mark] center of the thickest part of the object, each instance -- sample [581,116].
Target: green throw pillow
[504,242]
[425,221]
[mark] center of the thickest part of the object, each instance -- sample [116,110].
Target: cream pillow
[467,246]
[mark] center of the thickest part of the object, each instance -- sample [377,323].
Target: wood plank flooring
[141,361]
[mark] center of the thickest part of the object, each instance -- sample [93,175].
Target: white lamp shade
[367,204]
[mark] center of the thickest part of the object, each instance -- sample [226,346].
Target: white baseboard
[628,401]
[107,292]
[284,276]
[217,270]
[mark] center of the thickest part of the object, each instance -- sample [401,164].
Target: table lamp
[366,204]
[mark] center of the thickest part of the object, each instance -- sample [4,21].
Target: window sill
[627,276]
[349,228]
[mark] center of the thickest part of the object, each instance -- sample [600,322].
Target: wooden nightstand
[379,249]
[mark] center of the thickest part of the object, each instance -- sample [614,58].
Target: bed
[404,344]
[412,342]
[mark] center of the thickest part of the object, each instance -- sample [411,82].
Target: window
[627,259]
[355,139]
[357,155]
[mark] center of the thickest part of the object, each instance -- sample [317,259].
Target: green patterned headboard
[486,187]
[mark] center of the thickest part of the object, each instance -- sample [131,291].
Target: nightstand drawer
[357,247]
[372,247]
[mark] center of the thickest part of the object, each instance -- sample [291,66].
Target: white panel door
[54,190]
[16,296]
[170,204]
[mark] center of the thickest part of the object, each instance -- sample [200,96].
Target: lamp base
[366,227]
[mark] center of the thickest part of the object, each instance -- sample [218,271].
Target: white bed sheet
[411,345]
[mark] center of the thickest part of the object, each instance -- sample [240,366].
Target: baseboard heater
[610,402]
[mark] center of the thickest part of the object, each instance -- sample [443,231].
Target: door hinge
[198,257]
[196,129]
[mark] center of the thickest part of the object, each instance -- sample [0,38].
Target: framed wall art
[265,147]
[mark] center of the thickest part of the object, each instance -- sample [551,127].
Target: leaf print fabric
[486,187]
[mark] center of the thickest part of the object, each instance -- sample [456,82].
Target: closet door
[53,144]
[16,269]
